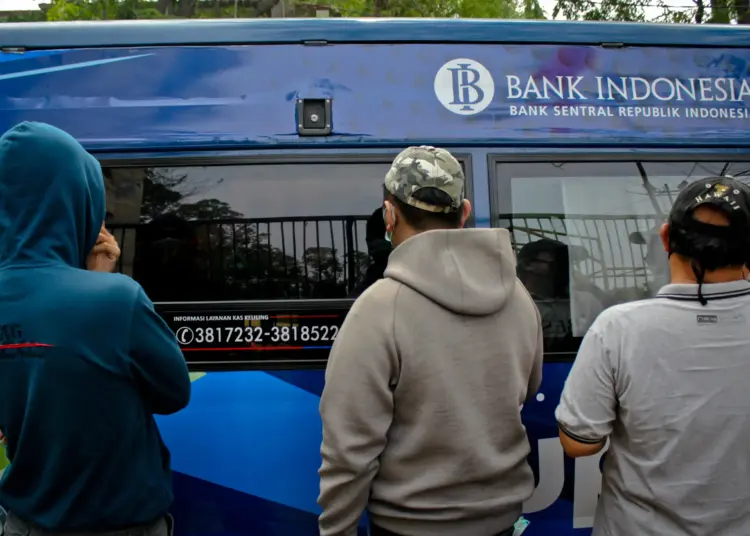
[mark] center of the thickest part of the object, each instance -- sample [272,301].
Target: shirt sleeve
[156,360]
[588,404]
[356,408]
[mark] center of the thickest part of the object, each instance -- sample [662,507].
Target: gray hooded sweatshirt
[421,418]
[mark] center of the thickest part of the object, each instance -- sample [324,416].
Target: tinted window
[246,232]
[586,233]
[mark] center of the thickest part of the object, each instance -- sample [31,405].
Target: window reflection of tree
[204,250]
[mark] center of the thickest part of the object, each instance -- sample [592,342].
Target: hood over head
[467,271]
[52,198]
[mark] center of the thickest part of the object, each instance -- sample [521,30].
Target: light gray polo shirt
[667,380]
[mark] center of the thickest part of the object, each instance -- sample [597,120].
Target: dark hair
[375,227]
[708,247]
[424,220]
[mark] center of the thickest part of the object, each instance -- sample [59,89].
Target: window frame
[194,360]
[500,187]
[301,157]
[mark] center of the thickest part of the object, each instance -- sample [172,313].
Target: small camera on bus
[314,117]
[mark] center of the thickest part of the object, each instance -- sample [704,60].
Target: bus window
[586,233]
[244,232]
[241,259]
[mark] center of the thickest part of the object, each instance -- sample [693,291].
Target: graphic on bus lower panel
[247,450]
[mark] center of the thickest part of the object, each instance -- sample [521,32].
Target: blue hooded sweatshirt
[85,362]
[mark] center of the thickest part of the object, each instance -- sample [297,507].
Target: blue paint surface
[383,95]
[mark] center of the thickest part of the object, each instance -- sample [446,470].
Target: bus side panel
[213,96]
[246,453]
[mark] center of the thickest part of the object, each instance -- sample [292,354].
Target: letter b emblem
[464,86]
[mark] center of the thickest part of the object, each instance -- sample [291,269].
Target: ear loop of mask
[389,235]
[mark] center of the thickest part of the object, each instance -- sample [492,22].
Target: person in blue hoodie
[85,361]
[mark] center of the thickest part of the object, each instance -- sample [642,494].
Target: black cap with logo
[725,193]
[712,246]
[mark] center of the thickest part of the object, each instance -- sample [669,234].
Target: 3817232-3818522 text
[265,334]
[256,331]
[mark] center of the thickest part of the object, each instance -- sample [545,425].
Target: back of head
[427,185]
[52,198]
[467,273]
[544,268]
[709,226]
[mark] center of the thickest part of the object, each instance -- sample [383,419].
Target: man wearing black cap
[665,380]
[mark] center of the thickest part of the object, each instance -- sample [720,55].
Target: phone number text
[261,335]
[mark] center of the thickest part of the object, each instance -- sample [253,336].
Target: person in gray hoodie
[421,407]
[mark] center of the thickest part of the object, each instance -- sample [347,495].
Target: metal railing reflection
[600,247]
[326,257]
[244,258]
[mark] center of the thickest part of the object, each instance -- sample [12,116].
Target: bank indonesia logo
[464,86]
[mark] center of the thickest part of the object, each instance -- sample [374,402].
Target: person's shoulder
[627,314]
[116,289]
[113,281]
[380,296]
[94,302]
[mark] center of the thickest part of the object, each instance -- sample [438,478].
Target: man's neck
[685,275]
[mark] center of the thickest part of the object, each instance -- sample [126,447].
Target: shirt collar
[710,291]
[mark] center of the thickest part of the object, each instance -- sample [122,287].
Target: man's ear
[664,235]
[389,215]
[465,213]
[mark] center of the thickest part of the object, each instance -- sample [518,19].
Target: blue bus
[244,162]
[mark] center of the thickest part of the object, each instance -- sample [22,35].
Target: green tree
[702,11]
[507,9]
[32,16]
[66,10]
[63,10]
[214,8]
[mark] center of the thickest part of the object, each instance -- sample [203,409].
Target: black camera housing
[314,117]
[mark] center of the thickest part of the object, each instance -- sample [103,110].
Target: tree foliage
[507,9]
[68,10]
[192,247]
[694,11]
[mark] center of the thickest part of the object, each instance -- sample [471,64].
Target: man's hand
[106,252]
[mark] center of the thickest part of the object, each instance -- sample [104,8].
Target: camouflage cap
[421,167]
